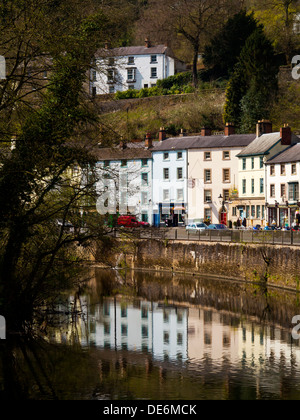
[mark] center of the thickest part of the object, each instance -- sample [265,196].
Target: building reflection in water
[182,333]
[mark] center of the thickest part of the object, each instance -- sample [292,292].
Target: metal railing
[274,237]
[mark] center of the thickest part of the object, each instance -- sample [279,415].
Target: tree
[254,81]
[278,18]
[222,53]
[53,126]
[191,22]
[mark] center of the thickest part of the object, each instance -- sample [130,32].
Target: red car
[131,222]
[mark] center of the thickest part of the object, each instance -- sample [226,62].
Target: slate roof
[204,142]
[132,151]
[135,50]
[261,145]
[292,154]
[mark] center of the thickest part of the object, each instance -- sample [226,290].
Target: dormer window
[111,61]
[130,60]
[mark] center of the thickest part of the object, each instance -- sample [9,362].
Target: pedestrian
[244,222]
[238,223]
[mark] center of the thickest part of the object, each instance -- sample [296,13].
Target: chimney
[147,43]
[182,133]
[106,45]
[229,129]
[123,144]
[286,135]
[148,141]
[162,134]
[205,132]
[263,127]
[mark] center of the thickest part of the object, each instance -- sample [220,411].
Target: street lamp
[222,202]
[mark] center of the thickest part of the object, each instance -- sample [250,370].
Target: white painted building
[135,67]
[124,183]
[282,195]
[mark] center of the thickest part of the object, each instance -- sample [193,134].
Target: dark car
[219,226]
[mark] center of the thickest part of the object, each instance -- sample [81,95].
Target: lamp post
[223,210]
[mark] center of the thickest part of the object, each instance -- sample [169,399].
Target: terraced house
[253,176]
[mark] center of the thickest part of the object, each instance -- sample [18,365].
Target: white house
[124,183]
[135,67]
[283,176]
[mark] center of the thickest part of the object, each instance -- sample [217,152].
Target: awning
[179,208]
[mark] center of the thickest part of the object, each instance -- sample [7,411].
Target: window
[272,190]
[226,195]
[153,58]
[282,190]
[282,169]
[207,156]
[244,164]
[233,211]
[123,163]
[294,169]
[207,175]
[272,170]
[294,191]
[153,72]
[258,212]
[207,214]
[179,173]
[261,185]
[226,175]
[261,162]
[180,195]
[111,89]
[244,186]
[166,195]
[253,211]
[94,75]
[130,74]
[262,212]
[179,155]
[207,196]
[226,155]
[166,173]
[144,198]
[144,162]
[247,212]
[106,163]
[110,76]
[111,61]
[252,186]
[252,163]
[166,156]
[130,60]
[144,179]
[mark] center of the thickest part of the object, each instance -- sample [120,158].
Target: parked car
[196,227]
[219,226]
[257,227]
[269,228]
[131,222]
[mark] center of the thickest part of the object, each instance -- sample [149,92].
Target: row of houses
[223,178]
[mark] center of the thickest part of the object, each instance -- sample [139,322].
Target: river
[158,336]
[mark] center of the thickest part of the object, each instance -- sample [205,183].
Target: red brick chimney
[123,144]
[147,43]
[229,129]
[286,135]
[205,132]
[148,141]
[263,127]
[162,134]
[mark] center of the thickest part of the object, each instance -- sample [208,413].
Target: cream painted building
[252,178]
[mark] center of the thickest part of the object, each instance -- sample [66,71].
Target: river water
[158,336]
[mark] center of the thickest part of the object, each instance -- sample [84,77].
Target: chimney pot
[182,132]
[147,43]
[286,135]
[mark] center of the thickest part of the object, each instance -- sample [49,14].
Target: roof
[261,145]
[131,152]
[292,154]
[204,142]
[135,50]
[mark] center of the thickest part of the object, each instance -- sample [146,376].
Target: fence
[274,237]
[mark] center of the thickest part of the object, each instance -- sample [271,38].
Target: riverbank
[253,263]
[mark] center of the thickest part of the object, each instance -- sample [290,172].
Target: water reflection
[144,336]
